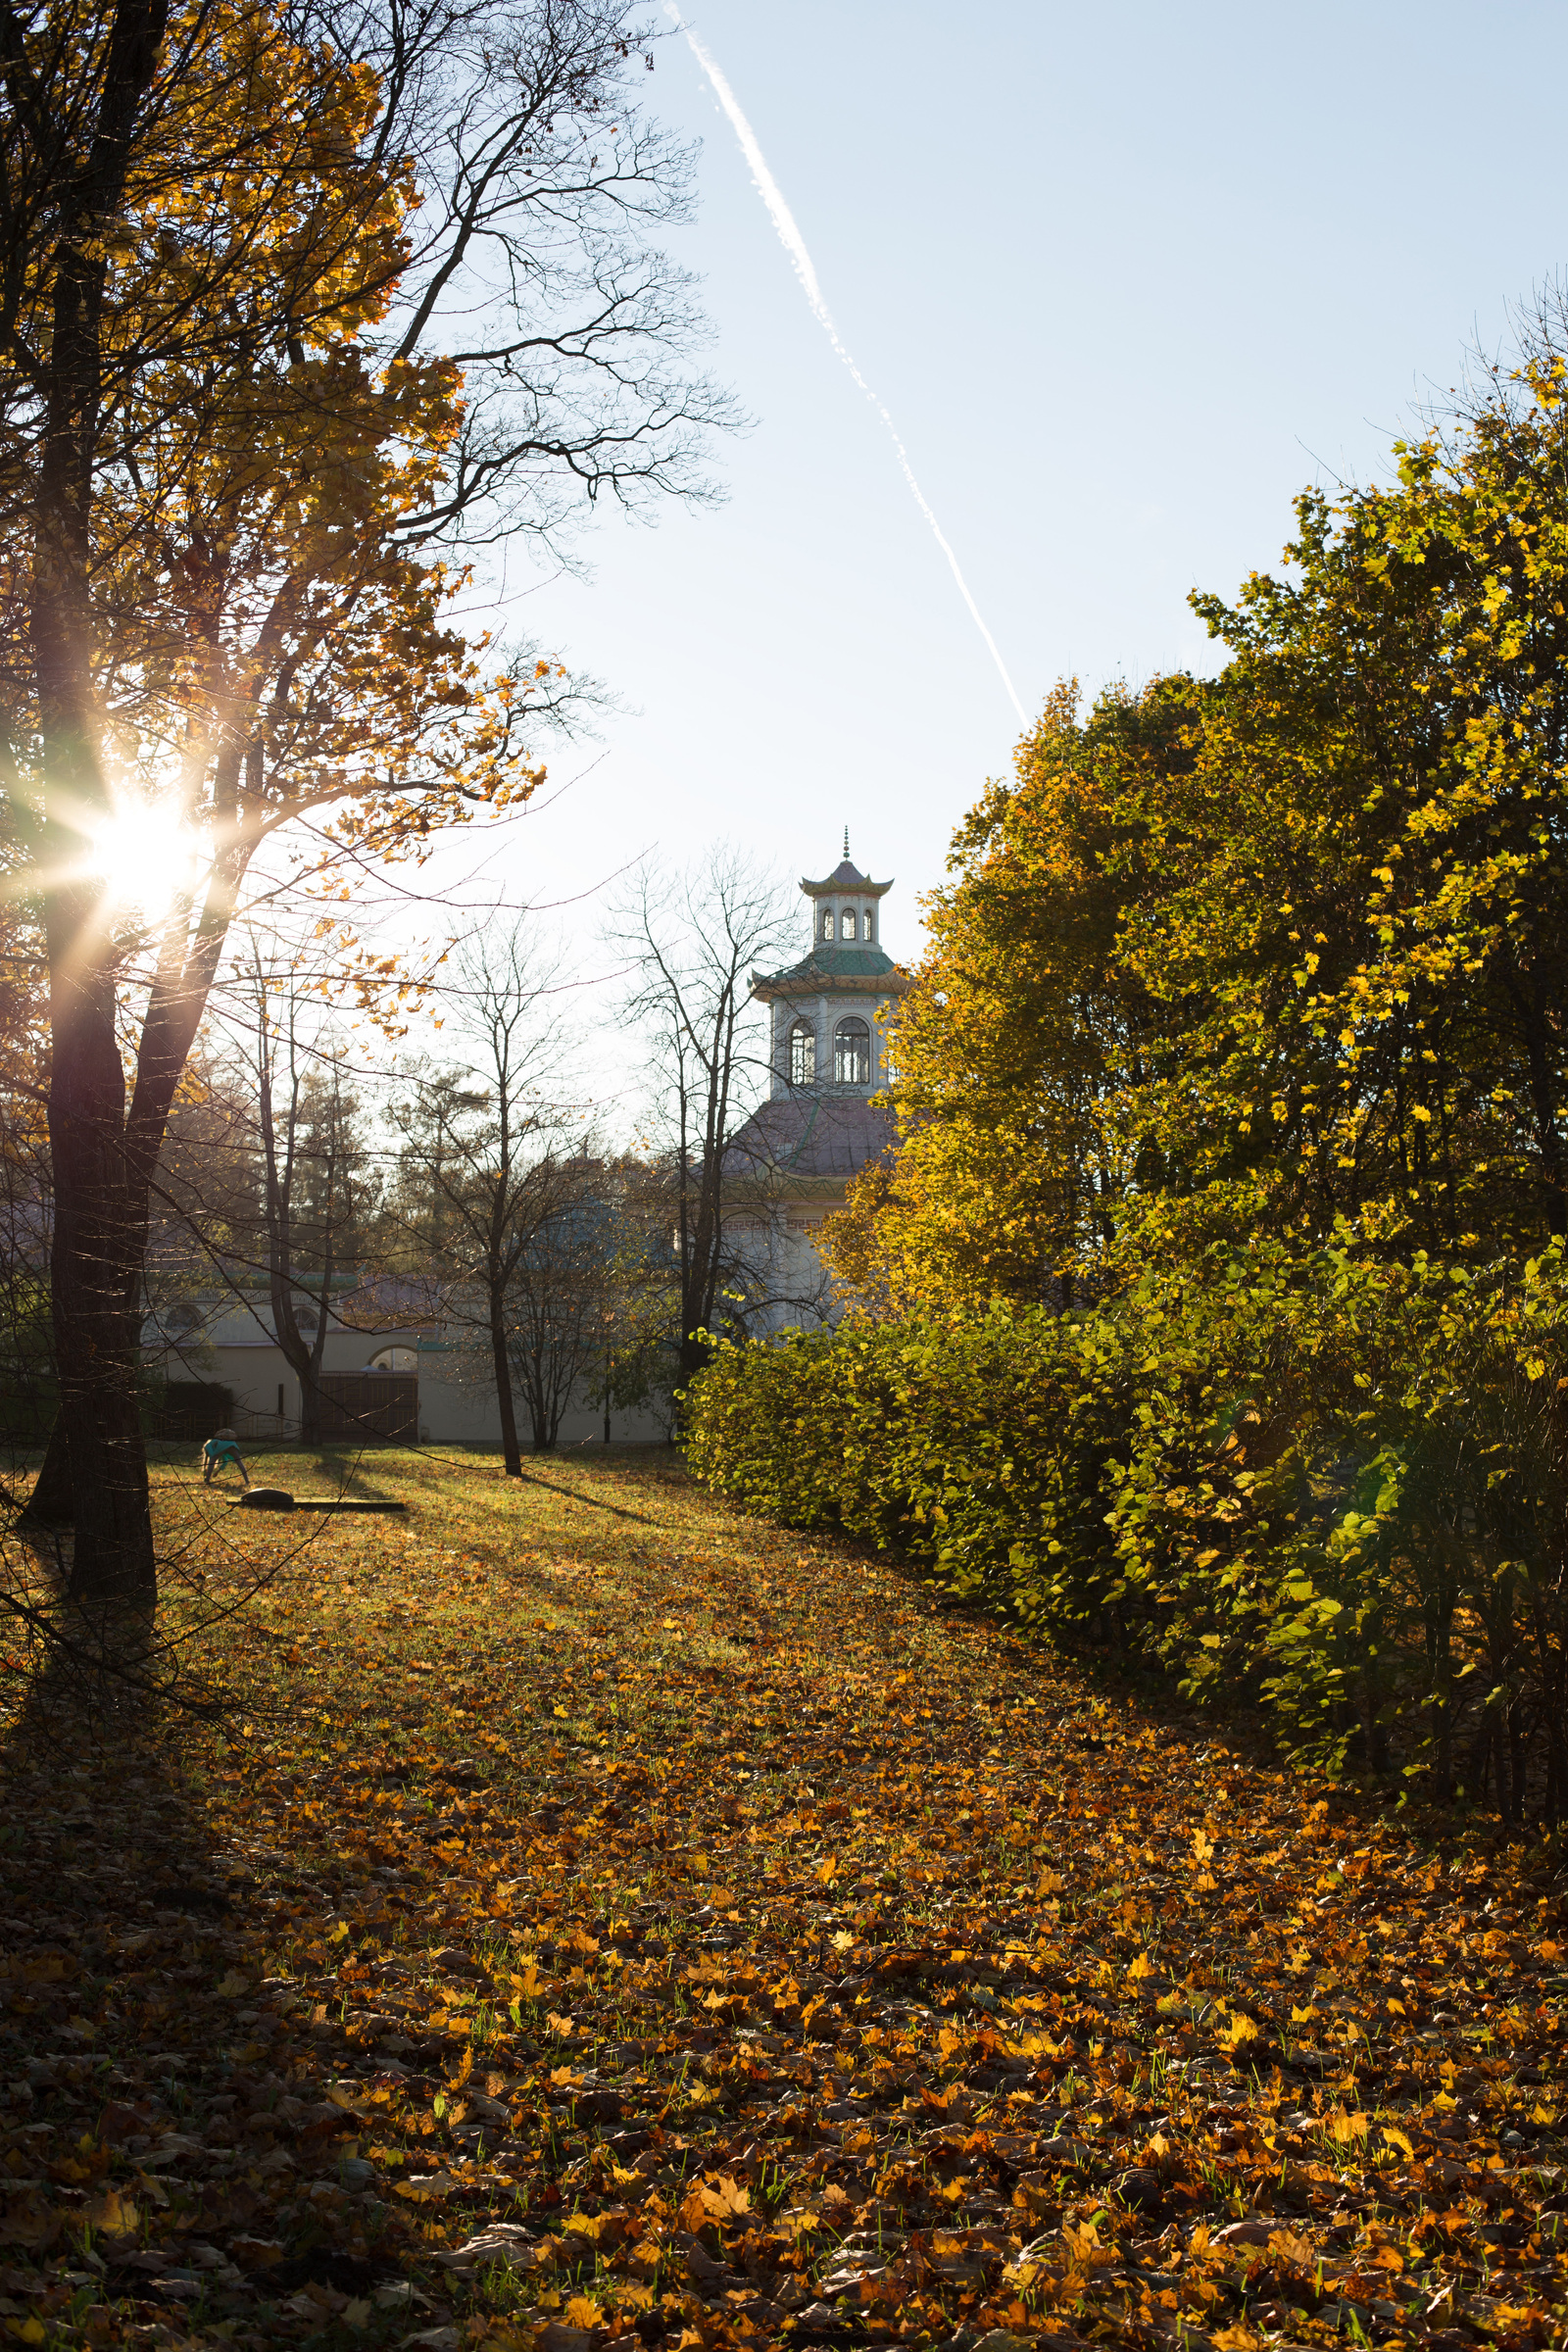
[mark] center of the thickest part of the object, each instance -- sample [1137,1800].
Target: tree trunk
[95,1279]
[1518,1757]
[100,1198]
[511,1452]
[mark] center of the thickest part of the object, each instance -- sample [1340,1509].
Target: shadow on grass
[170,2151]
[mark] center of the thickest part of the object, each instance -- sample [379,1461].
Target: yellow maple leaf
[1082,2242]
[726,2199]
[425,2188]
[115,2215]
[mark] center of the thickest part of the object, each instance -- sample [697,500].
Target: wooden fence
[367,1406]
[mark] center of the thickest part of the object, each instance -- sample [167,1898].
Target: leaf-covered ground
[604,1915]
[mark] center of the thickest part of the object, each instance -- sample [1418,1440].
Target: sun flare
[144,856]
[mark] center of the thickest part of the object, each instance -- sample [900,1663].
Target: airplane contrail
[795,246]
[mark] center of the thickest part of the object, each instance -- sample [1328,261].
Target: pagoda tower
[792,1164]
[831,1011]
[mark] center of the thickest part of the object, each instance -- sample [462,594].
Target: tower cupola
[831,1012]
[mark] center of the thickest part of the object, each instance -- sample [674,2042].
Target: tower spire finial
[846,841]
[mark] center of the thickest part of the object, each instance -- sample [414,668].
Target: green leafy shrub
[1336,1490]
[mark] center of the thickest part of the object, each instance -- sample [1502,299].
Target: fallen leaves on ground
[604,1916]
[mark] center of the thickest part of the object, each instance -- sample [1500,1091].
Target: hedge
[1337,1492]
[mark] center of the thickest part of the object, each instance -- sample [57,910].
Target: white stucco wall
[234,1346]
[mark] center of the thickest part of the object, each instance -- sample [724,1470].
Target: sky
[1127,278]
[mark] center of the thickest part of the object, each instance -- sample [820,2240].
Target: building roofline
[810,980]
[846,881]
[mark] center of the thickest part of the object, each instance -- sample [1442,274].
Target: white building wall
[457,1403]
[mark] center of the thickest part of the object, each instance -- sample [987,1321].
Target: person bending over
[220,1447]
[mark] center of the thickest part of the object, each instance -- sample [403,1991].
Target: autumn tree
[317,1178]
[692,939]
[1027,1026]
[478,1167]
[239,421]
[1267,952]
[563,1289]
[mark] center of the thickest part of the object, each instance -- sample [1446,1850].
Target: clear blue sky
[1127,278]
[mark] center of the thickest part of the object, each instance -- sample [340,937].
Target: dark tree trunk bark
[1518,1758]
[1543,1103]
[100,1191]
[95,1280]
[511,1452]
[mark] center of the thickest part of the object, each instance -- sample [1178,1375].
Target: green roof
[830,966]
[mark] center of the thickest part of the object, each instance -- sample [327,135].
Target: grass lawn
[596,1913]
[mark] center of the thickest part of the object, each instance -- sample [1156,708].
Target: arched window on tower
[870,922]
[827,922]
[802,1054]
[847,926]
[851,1053]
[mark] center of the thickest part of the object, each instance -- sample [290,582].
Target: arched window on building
[846,924]
[827,922]
[870,922]
[851,1053]
[400,1360]
[802,1054]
